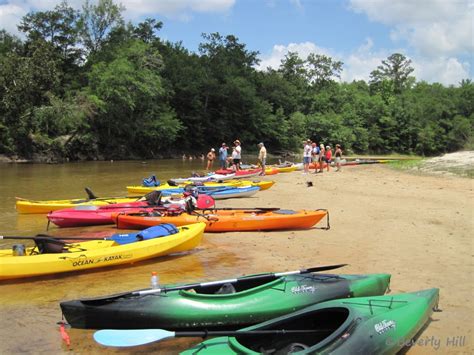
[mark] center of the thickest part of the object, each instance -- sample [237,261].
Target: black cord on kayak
[328,226]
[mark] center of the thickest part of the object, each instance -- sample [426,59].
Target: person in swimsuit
[211,156]
[338,155]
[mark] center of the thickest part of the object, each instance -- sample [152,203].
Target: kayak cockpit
[322,326]
[242,286]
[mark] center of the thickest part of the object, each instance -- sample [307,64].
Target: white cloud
[181,9]
[359,64]
[13,10]
[445,70]
[278,53]
[297,4]
[10,15]
[431,27]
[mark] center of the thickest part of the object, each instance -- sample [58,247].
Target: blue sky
[437,35]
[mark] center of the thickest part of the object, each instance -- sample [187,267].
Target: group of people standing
[224,160]
[320,155]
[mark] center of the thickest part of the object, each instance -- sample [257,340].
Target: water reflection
[29,309]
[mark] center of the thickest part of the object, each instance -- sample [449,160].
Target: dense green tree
[83,84]
[58,27]
[97,21]
[9,44]
[322,69]
[130,99]
[26,83]
[396,69]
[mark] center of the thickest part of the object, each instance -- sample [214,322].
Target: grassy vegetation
[407,164]
[464,171]
[427,166]
[393,156]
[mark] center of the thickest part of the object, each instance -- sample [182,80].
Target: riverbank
[418,228]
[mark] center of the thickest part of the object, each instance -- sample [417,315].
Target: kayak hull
[96,254]
[71,217]
[252,302]
[142,190]
[30,206]
[286,169]
[365,325]
[228,220]
[237,192]
[208,178]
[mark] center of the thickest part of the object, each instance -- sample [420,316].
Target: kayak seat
[226,289]
[90,194]
[153,198]
[46,245]
[285,212]
[172,183]
[290,349]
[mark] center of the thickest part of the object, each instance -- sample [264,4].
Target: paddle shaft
[205,333]
[48,236]
[84,200]
[245,278]
[243,209]
[136,337]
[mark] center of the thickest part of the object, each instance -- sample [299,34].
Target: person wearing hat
[236,155]
[262,157]
[307,150]
[223,156]
[211,156]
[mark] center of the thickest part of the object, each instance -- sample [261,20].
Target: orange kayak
[226,220]
[316,165]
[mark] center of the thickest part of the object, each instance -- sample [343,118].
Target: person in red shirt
[328,156]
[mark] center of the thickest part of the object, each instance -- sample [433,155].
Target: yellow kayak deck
[143,190]
[32,206]
[96,254]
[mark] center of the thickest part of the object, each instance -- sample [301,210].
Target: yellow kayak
[286,169]
[96,254]
[143,190]
[46,206]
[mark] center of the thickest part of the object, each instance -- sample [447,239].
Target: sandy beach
[416,227]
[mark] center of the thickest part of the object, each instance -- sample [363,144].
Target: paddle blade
[132,337]
[324,268]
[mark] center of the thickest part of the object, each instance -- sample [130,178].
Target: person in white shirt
[237,154]
[262,157]
[307,151]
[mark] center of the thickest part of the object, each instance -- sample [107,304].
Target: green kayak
[249,301]
[366,325]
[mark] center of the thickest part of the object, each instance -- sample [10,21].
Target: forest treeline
[84,84]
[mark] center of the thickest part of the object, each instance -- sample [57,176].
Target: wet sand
[418,228]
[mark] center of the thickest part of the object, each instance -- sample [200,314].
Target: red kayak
[240,174]
[81,216]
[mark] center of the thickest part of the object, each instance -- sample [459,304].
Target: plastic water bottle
[154,280]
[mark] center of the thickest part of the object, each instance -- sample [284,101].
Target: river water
[29,309]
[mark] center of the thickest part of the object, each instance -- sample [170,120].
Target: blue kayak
[219,193]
